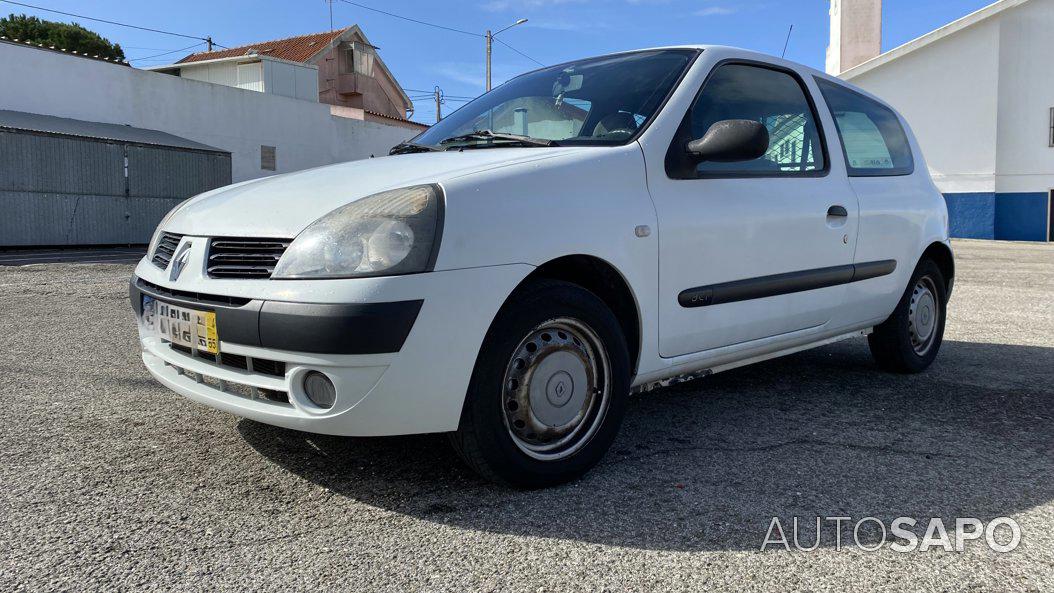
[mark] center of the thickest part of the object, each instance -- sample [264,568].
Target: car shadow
[706,465]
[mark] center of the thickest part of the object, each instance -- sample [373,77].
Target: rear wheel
[908,341]
[549,388]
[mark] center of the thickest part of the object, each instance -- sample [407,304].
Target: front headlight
[393,232]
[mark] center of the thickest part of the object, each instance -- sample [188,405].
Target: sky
[422,57]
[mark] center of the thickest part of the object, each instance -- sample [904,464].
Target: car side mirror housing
[731,141]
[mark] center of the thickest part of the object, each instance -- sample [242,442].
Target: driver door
[750,250]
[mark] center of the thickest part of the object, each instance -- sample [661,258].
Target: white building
[979,94]
[265,133]
[254,72]
[339,67]
[98,111]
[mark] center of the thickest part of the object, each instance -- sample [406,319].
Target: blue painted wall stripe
[971,215]
[1004,216]
[1021,216]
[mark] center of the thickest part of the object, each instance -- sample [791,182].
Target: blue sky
[422,57]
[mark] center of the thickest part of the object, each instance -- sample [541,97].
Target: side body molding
[777,284]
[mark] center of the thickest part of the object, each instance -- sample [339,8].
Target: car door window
[772,97]
[873,139]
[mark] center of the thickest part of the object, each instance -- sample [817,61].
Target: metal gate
[58,188]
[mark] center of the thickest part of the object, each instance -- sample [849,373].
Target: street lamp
[490,41]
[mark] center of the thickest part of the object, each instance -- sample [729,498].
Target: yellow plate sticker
[206,333]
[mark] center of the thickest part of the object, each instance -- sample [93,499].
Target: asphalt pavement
[110,482]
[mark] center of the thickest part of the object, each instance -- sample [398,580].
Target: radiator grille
[245,258]
[166,247]
[269,367]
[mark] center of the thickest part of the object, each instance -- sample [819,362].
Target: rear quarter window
[873,140]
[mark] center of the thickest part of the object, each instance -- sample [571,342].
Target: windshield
[596,101]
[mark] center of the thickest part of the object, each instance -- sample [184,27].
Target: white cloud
[555,25]
[714,11]
[499,5]
[473,74]
[469,74]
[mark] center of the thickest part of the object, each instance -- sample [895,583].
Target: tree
[68,36]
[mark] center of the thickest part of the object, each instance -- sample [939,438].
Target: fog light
[319,389]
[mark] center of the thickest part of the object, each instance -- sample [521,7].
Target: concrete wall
[232,119]
[1026,94]
[979,102]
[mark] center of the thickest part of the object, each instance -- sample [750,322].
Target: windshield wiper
[410,147]
[491,137]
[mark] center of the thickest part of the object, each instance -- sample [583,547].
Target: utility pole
[208,42]
[490,42]
[330,14]
[439,103]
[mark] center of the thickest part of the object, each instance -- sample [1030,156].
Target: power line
[143,48]
[406,18]
[498,39]
[88,18]
[167,52]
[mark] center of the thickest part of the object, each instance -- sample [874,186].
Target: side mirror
[730,141]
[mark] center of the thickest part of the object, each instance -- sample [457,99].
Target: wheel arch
[942,255]
[605,281]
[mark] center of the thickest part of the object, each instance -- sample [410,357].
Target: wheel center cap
[559,388]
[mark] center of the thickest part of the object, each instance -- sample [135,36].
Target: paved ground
[110,482]
[82,255]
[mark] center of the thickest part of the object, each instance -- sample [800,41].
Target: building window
[359,58]
[268,160]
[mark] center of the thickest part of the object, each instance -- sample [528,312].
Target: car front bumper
[399,350]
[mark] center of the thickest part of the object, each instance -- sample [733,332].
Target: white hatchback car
[582,231]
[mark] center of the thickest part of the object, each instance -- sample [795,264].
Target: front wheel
[908,341]
[549,389]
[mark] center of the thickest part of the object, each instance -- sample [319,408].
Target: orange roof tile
[294,49]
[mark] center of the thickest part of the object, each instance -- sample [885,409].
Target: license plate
[180,325]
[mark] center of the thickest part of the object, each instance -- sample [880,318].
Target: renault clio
[512,274]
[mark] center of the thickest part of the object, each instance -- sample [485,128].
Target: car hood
[283,205]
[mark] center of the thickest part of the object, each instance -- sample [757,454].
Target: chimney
[856,33]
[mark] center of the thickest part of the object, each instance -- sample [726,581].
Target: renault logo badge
[179,261]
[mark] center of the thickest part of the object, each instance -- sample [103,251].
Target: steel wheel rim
[923,315]
[556,389]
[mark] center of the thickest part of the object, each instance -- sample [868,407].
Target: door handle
[838,211]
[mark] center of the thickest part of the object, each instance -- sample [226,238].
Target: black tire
[894,344]
[487,441]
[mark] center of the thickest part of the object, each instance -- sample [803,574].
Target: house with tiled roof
[341,68]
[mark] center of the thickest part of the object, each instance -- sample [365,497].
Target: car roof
[734,52]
